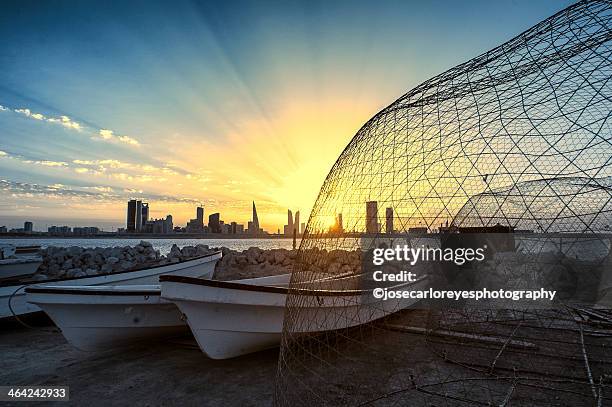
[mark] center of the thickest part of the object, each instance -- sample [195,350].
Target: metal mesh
[518,136]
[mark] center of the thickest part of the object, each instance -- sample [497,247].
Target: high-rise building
[28,227]
[292,224]
[214,224]
[389,219]
[131,215]
[253,225]
[196,225]
[144,214]
[302,228]
[372,217]
[137,215]
[290,221]
[200,215]
[255,219]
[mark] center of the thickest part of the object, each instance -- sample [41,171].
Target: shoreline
[150,236]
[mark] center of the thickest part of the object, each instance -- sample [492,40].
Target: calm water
[163,245]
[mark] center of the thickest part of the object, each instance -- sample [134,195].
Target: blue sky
[220,103]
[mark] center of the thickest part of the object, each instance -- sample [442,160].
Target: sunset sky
[180,103]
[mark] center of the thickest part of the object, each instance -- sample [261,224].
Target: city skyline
[209,109]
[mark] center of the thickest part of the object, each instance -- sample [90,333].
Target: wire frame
[518,136]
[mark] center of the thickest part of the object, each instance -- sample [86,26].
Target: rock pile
[74,261]
[71,262]
[253,262]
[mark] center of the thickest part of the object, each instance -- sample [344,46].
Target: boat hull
[98,318]
[20,267]
[230,320]
[13,299]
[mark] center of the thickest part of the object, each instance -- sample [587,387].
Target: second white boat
[231,318]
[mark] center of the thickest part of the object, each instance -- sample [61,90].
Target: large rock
[112,260]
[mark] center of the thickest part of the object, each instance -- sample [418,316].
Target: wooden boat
[230,319]
[18,262]
[103,317]
[13,300]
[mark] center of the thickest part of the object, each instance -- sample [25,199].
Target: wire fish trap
[515,140]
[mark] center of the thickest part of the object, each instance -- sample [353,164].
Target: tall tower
[372,217]
[389,218]
[200,216]
[296,224]
[131,215]
[255,219]
[289,221]
[145,214]
[138,216]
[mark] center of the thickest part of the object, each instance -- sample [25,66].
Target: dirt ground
[173,372]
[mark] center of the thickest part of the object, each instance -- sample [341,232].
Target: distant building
[137,215]
[144,218]
[3,229]
[293,224]
[372,217]
[253,226]
[236,228]
[85,231]
[28,227]
[200,215]
[417,230]
[196,225]
[302,228]
[226,228]
[389,220]
[131,216]
[214,224]
[160,226]
[59,230]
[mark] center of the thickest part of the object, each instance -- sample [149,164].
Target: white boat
[102,317]
[13,299]
[230,319]
[18,262]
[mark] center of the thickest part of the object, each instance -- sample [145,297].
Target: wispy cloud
[109,135]
[47,163]
[67,122]
[19,189]
[63,120]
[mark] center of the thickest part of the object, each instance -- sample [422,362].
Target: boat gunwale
[27,283]
[83,291]
[271,289]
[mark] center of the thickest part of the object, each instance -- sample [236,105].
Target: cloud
[46,163]
[63,120]
[67,122]
[59,191]
[109,135]
[106,134]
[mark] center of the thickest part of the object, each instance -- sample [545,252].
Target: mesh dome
[518,136]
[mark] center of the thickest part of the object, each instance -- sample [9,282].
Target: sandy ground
[173,372]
